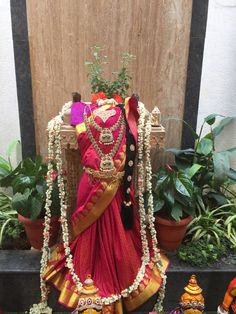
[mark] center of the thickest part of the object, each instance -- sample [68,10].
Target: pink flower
[168,167]
[54,175]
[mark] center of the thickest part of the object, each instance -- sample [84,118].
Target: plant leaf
[183,157]
[177,212]
[29,167]
[232,174]
[186,182]
[158,205]
[12,146]
[189,210]
[21,182]
[169,197]
[219,198]
[193,170]
[38,161]
[36,204]
[178,152]
[20,203]
[219,128]
[221,166]
[162,178]
[181,188]
[205,146]
[211,118]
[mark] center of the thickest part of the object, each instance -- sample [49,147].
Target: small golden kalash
[90,301]
[229,299]
[192,301]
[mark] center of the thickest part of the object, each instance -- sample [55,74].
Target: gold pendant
[107,164]
[106,137]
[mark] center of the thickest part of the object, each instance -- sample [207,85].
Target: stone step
[19,282]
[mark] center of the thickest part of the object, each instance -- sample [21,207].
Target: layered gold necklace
[106,163]
[106,136]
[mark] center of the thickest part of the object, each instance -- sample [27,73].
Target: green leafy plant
[173,193]
[198,253]
[28,182]
[6,166]
[120,85]
[210,237]
[12,233]
[210,169]
[214,226]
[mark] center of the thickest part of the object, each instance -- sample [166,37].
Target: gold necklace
[104,114]
[106,163]
[106,136]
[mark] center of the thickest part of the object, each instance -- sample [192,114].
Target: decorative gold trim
[82,223]
[70,298]
[152,287]
[104,174]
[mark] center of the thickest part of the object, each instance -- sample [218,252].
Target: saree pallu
[101,246]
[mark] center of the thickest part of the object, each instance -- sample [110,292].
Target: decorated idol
[108,257]
[229,299]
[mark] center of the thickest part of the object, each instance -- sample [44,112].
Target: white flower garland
[55,152]
[151,219]
[110,101]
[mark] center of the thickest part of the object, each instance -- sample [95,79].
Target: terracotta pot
[34,231]
[171,233]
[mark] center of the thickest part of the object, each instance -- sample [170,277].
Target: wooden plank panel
[61,33]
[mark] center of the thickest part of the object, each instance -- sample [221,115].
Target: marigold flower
[117,98]
[95,97]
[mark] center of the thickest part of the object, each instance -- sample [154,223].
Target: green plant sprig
[118,86]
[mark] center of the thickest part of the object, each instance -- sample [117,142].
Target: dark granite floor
[19,282]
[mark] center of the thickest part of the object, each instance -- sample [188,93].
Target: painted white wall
[9,117]
[218,84]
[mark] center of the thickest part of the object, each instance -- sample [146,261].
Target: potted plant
[28,182]
[174,205]
[12,233]
[211,175]
[209,168]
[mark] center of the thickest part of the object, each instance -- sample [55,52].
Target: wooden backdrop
[61,33]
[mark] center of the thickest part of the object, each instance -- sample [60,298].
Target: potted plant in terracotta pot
[28,182]
[174,205]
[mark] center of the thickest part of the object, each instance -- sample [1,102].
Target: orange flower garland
[102,95]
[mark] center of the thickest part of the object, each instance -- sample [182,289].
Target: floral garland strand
[151,219]
[42,307]
[63,218]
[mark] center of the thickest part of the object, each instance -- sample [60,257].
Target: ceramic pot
[171,233]
[34,231]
